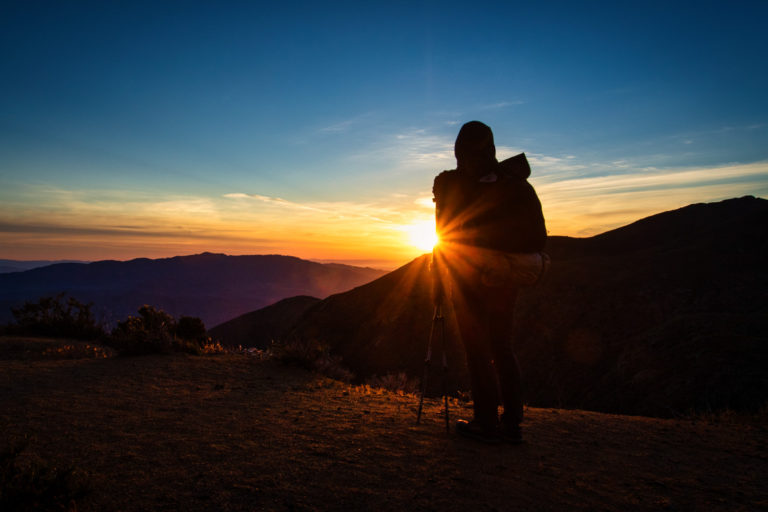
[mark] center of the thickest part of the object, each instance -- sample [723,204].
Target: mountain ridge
[8,266]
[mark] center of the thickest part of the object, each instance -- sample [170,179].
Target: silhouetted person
[487,215]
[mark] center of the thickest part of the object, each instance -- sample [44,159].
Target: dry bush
[211,347]
[56,317]
[155,331]
[729,416]
[149,333]
[311,355]
[396,382]
[77,351]
[37,348]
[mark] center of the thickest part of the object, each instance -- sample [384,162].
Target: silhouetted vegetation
[35,485]
[56,317]
[311,355]
[396,382]
[31,348]
[155,331]
[191,328]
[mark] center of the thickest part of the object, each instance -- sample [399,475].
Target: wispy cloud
[636,182]
[346,125]
[425,202]
[278,201]
[387,211]
[591,204]
[408,150]
[689,136]
[501,104]
[53,229]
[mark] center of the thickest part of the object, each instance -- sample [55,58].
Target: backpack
[498,222]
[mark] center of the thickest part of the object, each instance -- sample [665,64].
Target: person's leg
[472,320]
[504,359]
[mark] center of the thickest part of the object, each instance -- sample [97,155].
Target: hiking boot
[477,431]
[510,433]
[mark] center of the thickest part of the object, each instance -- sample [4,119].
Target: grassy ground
[230,432]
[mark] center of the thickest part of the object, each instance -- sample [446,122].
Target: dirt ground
[232,433]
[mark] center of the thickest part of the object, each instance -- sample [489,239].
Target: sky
[315,129]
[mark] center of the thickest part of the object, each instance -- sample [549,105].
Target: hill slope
[261,327]
[670,313]
[215,287]
[665,315]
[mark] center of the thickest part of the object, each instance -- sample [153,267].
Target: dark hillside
[668,313]
[381,327]
[259,328]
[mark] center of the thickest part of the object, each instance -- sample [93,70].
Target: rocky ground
[232,432]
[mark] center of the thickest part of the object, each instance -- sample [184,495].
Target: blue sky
[152,129]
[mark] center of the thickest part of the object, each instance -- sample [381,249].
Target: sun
[422,234]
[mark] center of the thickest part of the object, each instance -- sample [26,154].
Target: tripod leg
[427,363]
[445,374]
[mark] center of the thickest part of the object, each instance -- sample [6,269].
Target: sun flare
[422,235]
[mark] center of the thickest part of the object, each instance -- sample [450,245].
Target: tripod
[438,321]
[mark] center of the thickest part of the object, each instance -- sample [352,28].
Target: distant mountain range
[214,287]
[7,266]
[662,316]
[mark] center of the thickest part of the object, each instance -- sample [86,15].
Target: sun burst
[422,235]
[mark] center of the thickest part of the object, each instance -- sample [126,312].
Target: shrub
[311,355]
[333,367]
[296,352]
[155,331]
[191,328]
[56,317]
[150,332]
[397,382]
[210,347]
